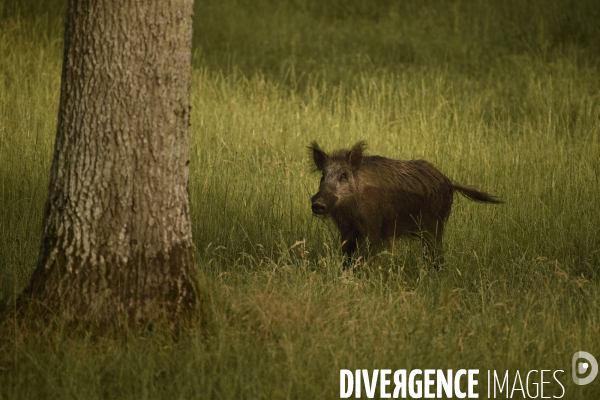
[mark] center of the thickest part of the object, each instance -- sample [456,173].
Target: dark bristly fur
[376,198]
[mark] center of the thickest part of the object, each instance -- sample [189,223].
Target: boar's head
[338,185]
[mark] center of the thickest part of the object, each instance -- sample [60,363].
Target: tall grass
[501,96]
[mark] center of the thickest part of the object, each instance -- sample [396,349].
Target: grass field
[501,95]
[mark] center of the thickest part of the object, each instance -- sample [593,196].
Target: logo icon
[580,367]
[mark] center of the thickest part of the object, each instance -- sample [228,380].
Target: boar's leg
[348,247]
[431,238]
[353,246]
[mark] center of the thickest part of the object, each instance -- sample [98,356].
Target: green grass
[501,96]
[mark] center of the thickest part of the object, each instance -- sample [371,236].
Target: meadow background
[503,95]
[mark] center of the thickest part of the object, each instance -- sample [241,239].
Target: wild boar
[376,198]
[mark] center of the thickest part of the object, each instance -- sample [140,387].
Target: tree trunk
[117,241]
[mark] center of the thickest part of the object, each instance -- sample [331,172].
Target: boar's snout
[322,203]
[319,207]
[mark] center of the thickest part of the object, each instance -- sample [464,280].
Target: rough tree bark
[117,242]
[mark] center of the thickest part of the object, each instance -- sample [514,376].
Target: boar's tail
[477,195]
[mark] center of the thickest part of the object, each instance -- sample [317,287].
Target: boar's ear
[318,155]
[355,157]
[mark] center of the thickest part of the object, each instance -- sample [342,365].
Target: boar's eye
[343,176]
